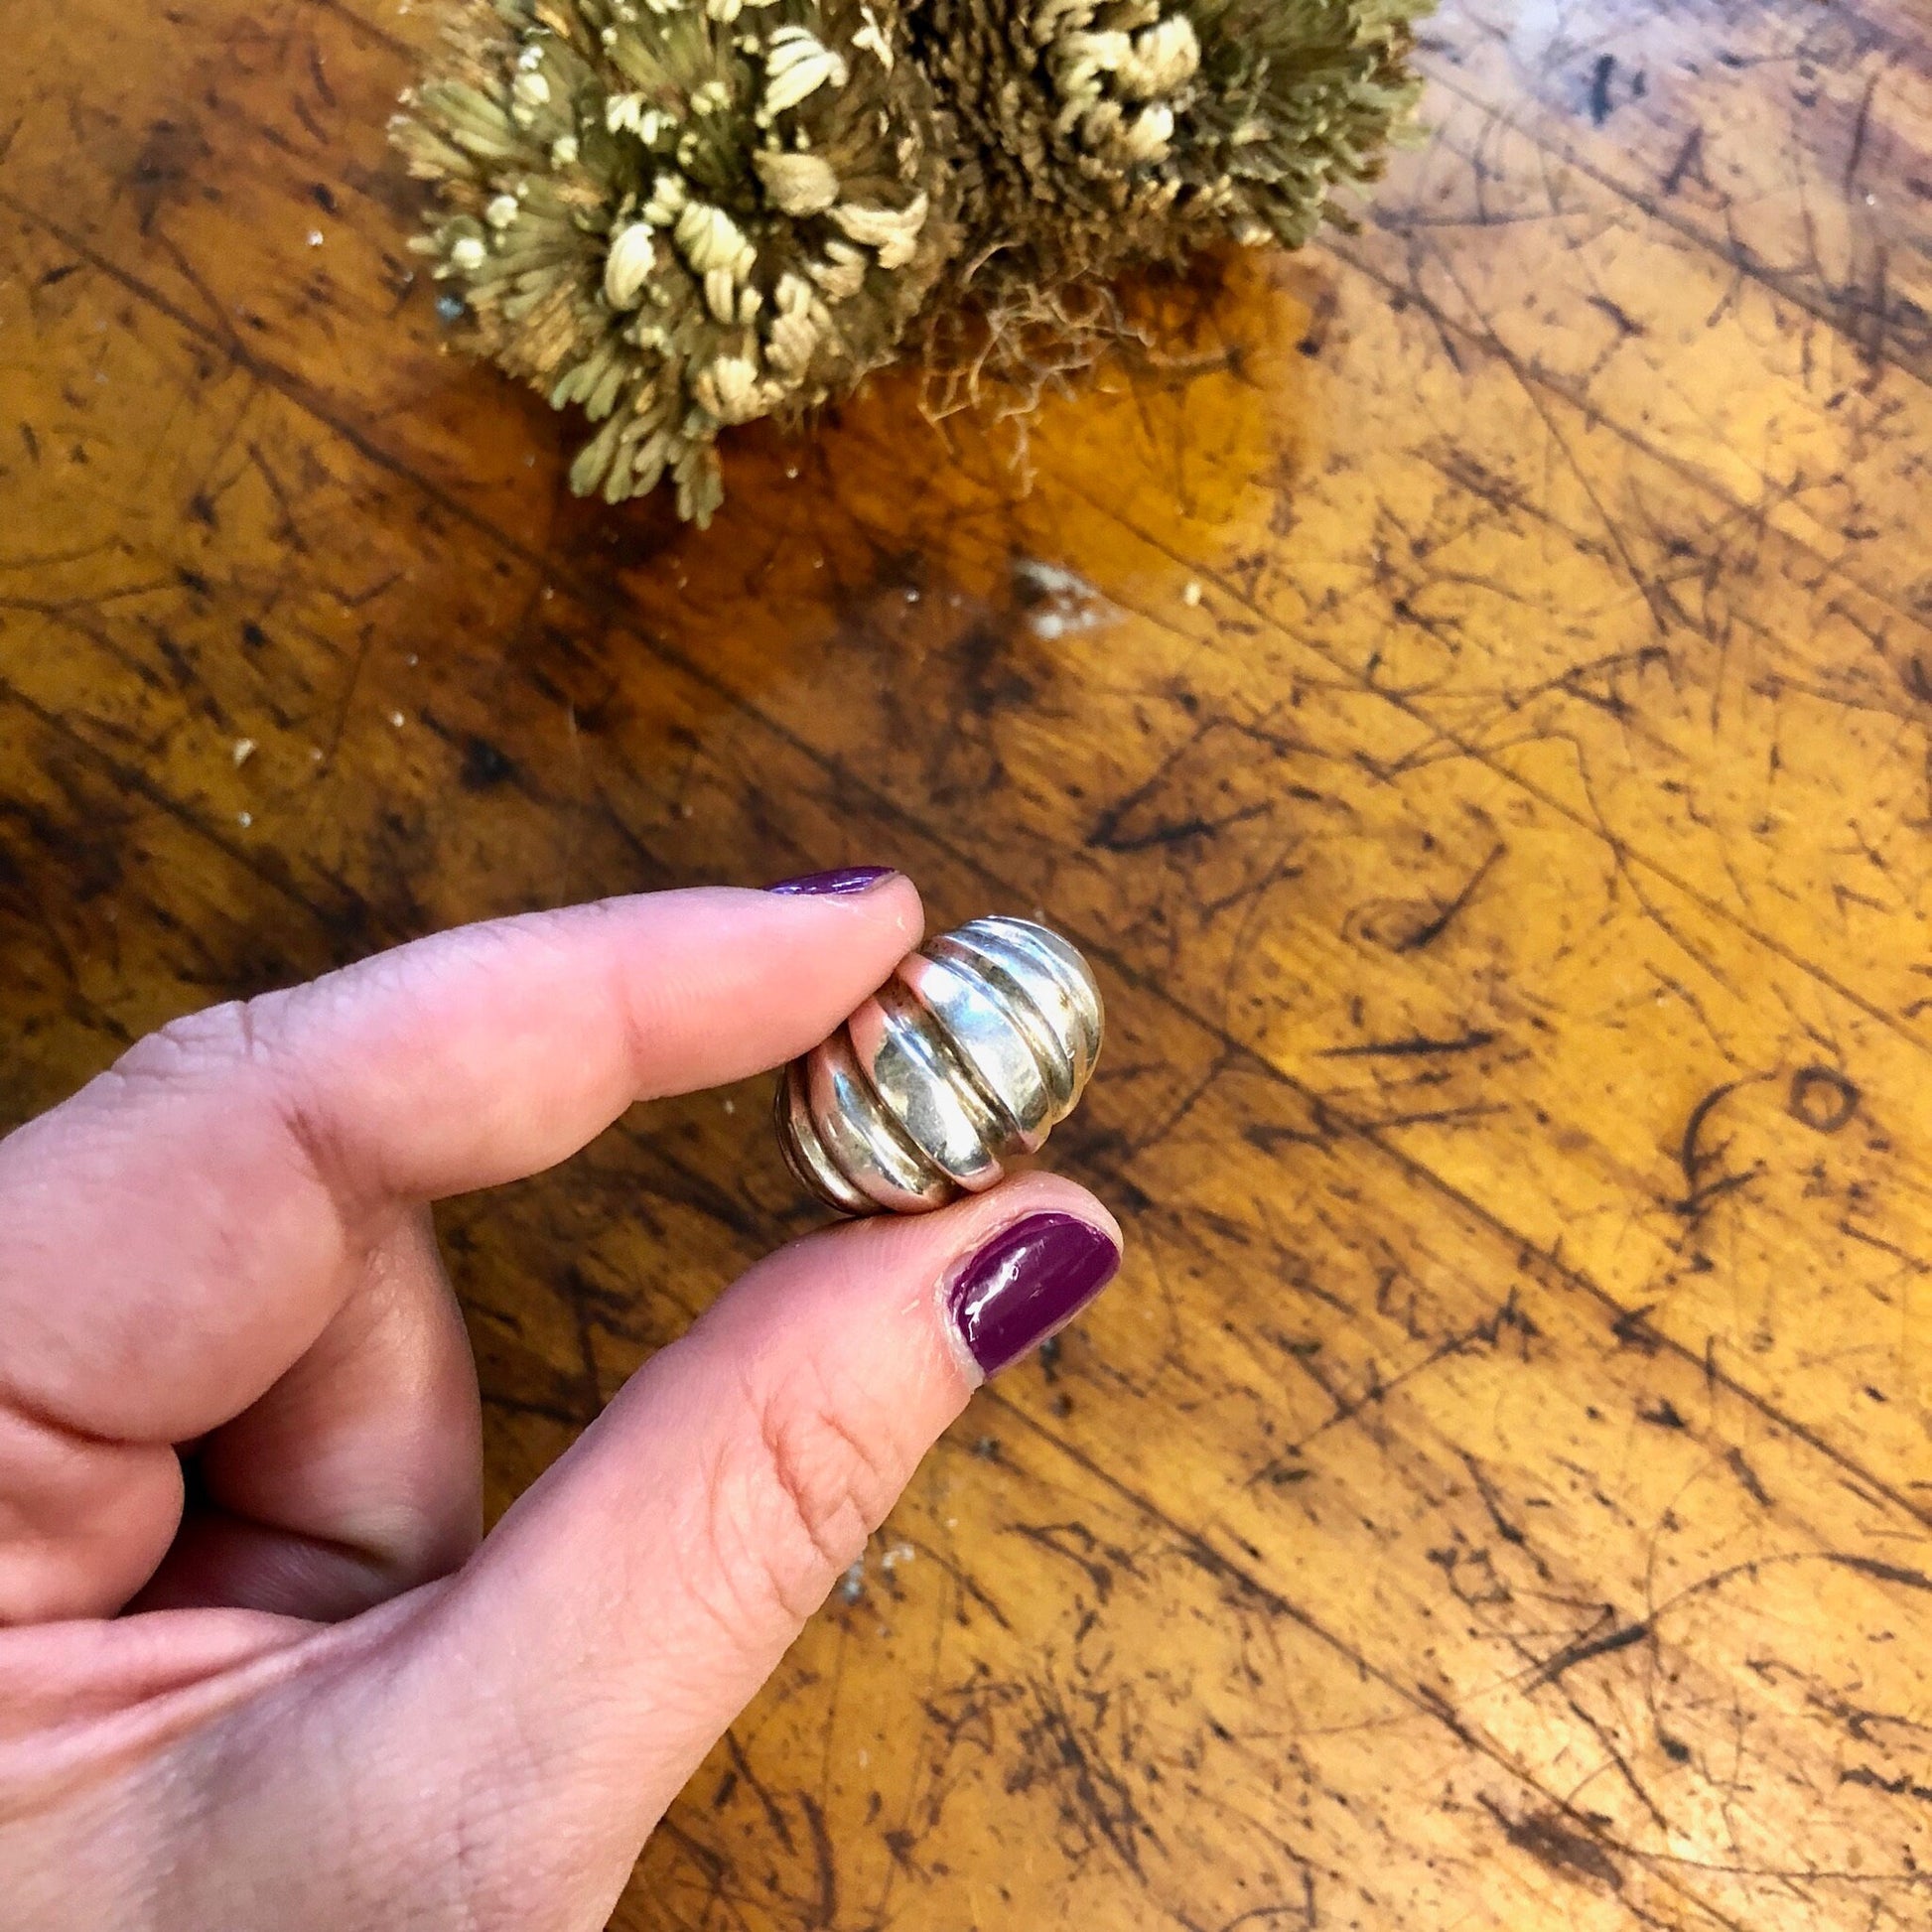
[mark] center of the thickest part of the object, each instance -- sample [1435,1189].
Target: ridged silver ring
[973,1051]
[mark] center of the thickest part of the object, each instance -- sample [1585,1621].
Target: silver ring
[973,1051]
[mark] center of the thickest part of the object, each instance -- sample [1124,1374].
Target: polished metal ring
[973,1051]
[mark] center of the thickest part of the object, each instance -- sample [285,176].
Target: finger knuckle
[211,1044]
[817,1478]
[242,1048]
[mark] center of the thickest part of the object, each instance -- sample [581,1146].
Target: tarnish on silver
[973,1051]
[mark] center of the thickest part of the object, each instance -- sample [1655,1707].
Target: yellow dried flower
[840,180]
[634,254]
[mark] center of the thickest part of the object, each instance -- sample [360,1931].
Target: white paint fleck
[396,719]
[315,237]
[244,819]
[243,750]
[1191,594]
[1060,603]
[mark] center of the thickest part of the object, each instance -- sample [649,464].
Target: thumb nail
[1026,1284]
[838,882]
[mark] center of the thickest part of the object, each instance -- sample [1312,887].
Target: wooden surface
[1496,1493]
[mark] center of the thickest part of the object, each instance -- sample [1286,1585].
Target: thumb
[551,1699]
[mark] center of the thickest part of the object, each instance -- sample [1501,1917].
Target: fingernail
[840,880]
[1030,1281]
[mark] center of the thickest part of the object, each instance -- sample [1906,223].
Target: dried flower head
[680,214]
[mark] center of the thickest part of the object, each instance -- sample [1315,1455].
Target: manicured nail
[840,880]
[1030,1281]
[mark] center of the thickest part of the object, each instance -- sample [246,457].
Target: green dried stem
[680,214]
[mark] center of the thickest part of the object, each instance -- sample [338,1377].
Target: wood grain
[1470,688]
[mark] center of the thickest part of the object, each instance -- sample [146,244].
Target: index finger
[181,1231]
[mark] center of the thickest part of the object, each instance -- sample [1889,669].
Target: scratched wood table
[1469,687]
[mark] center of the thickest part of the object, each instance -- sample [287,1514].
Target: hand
[292,1688]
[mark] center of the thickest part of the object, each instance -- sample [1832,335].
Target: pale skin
[303,1691]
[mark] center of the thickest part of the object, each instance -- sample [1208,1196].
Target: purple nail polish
[840,880]
[1030,1280]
